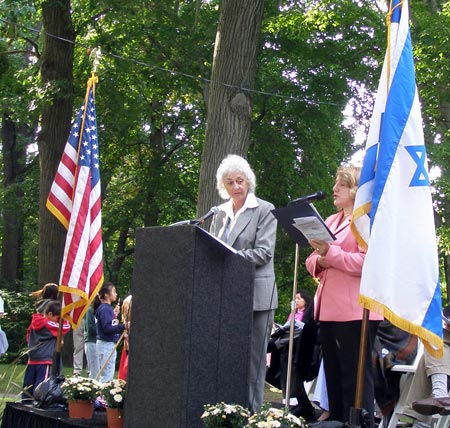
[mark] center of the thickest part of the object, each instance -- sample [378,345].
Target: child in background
[41,339]
[109,330]
[126,319]
[3,339]
[90,343]
[48,293]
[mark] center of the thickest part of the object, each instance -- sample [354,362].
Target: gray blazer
[254,236]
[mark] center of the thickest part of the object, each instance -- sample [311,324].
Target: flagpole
[356,417]
[56,362]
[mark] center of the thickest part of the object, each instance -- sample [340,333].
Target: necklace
[345,217]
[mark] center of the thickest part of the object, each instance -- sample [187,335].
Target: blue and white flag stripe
[393,216]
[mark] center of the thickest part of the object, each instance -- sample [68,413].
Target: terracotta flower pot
[81,409]
[114,418]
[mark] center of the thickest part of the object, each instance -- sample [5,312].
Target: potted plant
[223,415]
[113,393]
[270,417]
[81,393]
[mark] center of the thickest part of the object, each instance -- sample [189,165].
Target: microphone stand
[195,222]
[184,222]
[291,331]
[198,221]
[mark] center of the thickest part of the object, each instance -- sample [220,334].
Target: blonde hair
[126,317]
[126,309]
[349,175]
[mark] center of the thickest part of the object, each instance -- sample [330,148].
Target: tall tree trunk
[13,223]
[445,111]
[229,105]
[444,221]
[120,255]
[56,73]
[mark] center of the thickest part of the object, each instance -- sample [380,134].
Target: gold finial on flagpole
[95,55]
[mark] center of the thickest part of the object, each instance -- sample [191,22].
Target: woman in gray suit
[246,223]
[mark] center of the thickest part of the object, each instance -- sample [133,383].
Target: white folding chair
[439,421]
[408,371]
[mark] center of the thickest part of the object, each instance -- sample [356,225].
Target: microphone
[320,194]
[203,218]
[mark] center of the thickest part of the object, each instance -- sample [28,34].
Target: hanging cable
[180,73]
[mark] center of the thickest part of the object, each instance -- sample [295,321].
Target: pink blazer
[337,296]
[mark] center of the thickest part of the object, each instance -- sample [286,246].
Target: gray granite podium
[191,327]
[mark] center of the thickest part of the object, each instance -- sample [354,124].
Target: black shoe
[432,406]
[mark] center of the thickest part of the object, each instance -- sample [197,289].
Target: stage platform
[18,415]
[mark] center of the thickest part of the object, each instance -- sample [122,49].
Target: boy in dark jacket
[41,339]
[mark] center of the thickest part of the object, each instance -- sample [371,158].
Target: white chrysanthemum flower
[229,409]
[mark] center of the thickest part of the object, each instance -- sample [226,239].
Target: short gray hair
[233,164]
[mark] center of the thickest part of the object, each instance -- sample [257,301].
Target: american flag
[75,200]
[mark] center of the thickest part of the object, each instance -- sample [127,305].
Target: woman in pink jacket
[338,267]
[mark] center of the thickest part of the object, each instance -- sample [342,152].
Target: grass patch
[11,379]
[272,394]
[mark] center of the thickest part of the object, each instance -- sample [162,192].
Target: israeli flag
[393,216]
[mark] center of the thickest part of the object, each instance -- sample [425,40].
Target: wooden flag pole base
[56,362]
[359,417]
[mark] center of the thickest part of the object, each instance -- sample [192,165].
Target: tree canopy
[316,71]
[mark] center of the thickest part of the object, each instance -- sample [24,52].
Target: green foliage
[20,105]
[316,59]
[298,137]
[19,308]
[150,140]
[443,233]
